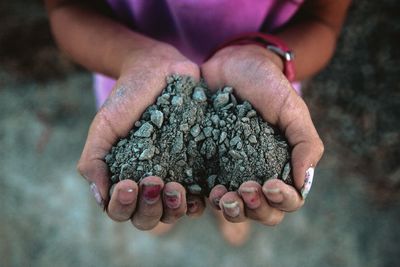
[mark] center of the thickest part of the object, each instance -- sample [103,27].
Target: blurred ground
[48,217]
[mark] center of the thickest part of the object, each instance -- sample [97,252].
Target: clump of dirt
[200,139]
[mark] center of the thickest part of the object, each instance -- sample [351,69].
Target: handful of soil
[200,140]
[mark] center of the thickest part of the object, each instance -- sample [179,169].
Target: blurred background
[351,217]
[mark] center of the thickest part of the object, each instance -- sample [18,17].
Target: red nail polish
[172,199]
[151,192]
[251,197]
[216,202]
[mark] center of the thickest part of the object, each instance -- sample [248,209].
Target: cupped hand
[142,78]
[256,74]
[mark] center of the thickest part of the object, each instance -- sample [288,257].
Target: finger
[195,205]
[256,206]
[232,207]
[174,199]
[216,194]
[282,196]
[149,208]
[123,200]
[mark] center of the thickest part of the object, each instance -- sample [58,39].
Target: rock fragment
[145,130]
[147,154]
[199,95]
[221,100]
[177,101]
[195,130]
[157,117]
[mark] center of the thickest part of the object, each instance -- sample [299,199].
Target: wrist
[277,50]
[156,54]
[274,58]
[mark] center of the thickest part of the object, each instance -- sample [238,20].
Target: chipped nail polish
[192,206]
[172,199]
[126,197]
[307,182]
[96,193]
[151,192]
[232,209]
[216,202]
[250,197]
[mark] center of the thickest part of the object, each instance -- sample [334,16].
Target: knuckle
[118,217]
[82,168]
[320,148]
[274,219]
[143,225]
[172,218]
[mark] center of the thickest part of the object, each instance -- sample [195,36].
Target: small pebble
[222,137]
[215,120]
[122,142]
[147,154]
[157,117]
[208,131]
[200,137]
[195,131]
[177,101]
[234,141]
[145,130]
[252,139]
[221,100]
[195,189]
[286,172]
[189,172]
[211,181]
[251,114]
[184,127]
[234,154]
[199,95]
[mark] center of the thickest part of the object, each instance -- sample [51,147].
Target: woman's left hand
[256,74]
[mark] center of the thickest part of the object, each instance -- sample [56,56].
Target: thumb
[91,165]
[295,121]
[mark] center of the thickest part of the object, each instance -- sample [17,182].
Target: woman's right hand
[143,76]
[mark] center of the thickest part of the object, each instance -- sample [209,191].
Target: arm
[313,33]
[93,39]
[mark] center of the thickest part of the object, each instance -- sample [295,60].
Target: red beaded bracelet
[271,43]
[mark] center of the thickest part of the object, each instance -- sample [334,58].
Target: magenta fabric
[196,27]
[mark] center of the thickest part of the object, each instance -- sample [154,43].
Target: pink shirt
[196,27]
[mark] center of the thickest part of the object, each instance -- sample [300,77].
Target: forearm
[313,34]
[93,40]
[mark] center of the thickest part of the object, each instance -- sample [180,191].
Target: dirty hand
[142,78]
[256,74]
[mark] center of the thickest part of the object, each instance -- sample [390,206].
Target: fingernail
[232,209]
[250,196]
[216,202]
[307,182]
[151,192]
[126,196]
[274,194]
[172,199]
[96,193]
[192,206]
